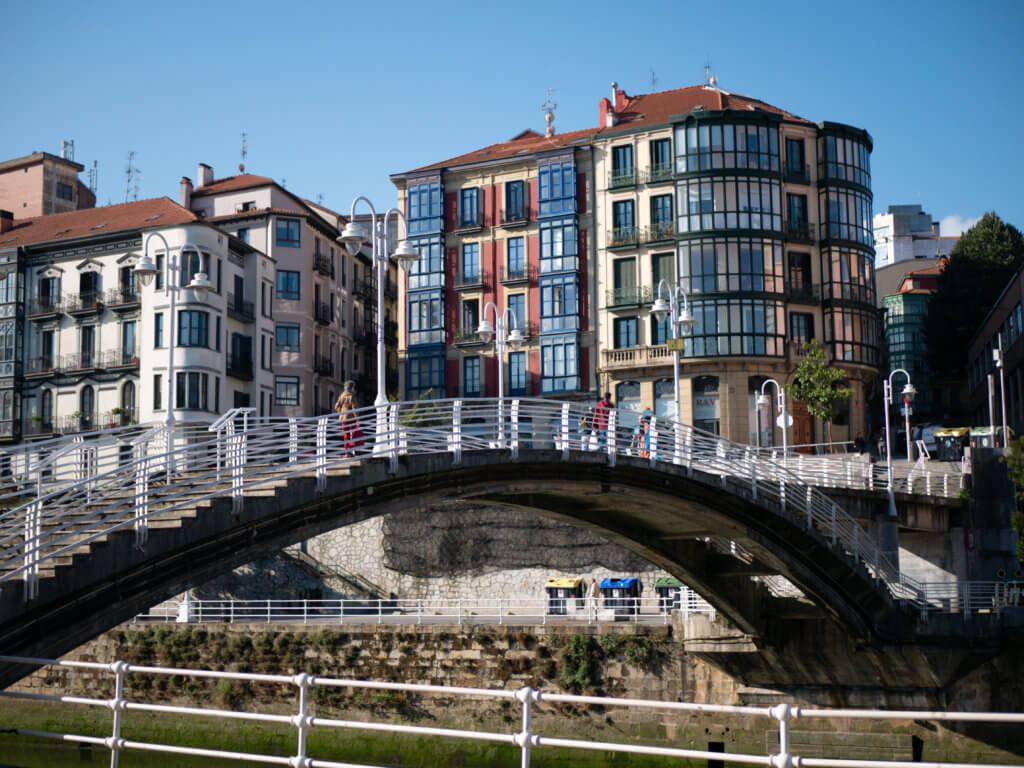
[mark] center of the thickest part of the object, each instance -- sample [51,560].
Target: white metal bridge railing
[524,737]
[140,478]
[496,610]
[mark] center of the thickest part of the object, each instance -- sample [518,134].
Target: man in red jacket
[601,411]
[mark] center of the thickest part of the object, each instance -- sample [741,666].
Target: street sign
[676,345]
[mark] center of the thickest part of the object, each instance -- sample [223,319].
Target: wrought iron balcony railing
[796,175]
[628,296]
[659,231]
[518,273]
[240,309]
[622,237]
[323,366]
[515,217]
[472,279]
[45,305]
[799,230]
[323,265]
[621,178]
[84,302]
[322,312]
[469,222]
[239,367]
[658,174]
[121,297]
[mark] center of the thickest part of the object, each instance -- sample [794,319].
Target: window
[622,222]
[854,335]
[46,409]
[516,263]
[266,299]
[48,292]
[217,334]
[287,336]
[470,317]
[157,394]
[625,332]
[287,284]
[664,399]
[622,164]
[128,350]
[556,188]
[795,163]
[158,329]
[736,327]
[559,307]
[190,391]
[801,327]
[193,329]
[220,275]
[517,306]
[661,217]
[517,373]
[469,208]
[706,404]
[627,400]
[800,275]
[428,270]
[730,202]
[846,159]
[733,264]
[191,265]
[660,330]
[159,272]
[848,274]
[87,407]
[662,268]
[286,390]
[559,370]
[558,245]
[848,215]
[425,374]
[515,201]
[704,146]
[243,234]
[424,208]
[624,282]
[471,376]
[661,158]
[426,321]
[796,215]
[288,233]
[64,191]
[87,346]
[471,262]
[126,281]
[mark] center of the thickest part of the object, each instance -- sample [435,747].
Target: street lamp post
[908,396]
[680,321]
[503,337]
[997,356]
[780,397]
[353,237]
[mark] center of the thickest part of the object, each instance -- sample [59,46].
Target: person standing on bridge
[346,406]
[601,411]
[592,600]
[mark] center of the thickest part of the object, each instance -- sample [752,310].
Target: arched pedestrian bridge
[97,528]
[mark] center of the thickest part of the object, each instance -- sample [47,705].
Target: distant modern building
[41,184]
[763,217]
[905,233]
[1004,323]
[85,346]
[905,316]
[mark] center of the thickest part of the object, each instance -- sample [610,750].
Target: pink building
[40,184]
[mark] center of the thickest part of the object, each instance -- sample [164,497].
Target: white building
[905,232]
[86,346]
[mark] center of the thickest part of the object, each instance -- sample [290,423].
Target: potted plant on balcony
[117,413]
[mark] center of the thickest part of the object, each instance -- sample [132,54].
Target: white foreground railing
[524,738]
[508,610]
[165,474]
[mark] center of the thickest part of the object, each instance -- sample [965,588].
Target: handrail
[268,451]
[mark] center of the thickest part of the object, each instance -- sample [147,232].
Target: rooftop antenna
[241,165]
[549,108]
[709,79]
[93,178]
[654,80]
[67,149]
[319,198]
[129,172]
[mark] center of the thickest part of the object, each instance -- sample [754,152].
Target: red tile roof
[143,214]
[229,183]
[640,111]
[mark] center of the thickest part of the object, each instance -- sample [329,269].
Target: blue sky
[335,97]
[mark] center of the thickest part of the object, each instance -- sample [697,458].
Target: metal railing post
[565,431]
[393,447]
[808,503]
[653,458]
[525,738]
[293,440]
[613,425]
[782,713]
[321,453]
[301,721]
[456,444]
[115,742]
[753,480]
[833,524]
[514,426]
[677,440]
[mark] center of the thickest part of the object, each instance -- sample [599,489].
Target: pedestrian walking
[601,410]
[346,407]
[592,600]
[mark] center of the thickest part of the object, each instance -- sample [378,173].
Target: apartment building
[86,346]
[317,301]
[763,217]
[510,225]
[40,183]
[905,233]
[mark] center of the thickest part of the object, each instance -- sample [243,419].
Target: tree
[980,265]
[817,384]
[1014,461]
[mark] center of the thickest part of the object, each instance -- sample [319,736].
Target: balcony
[123,299]
[659,232]
[119,417]
[37,426]
[795,351]
[805,292]
[365,336]
[365,289]
[118,358]
[659,174]
[45,365]
[323,366]
[83,304]
[322,264]
[628,296]
[514,217]
[79,362]
[473,222]
[522,273]
[467,336]
[622,178]
[44,307]
[623,237]
[465,281]
[240,309]
[799,231]
[797,175]
[635,357]
[77,422]
[239,367]
[322,312]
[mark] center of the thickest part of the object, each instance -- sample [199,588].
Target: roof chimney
[605,113]
[6,221]
[204,175]
[621,99]
[186,192]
